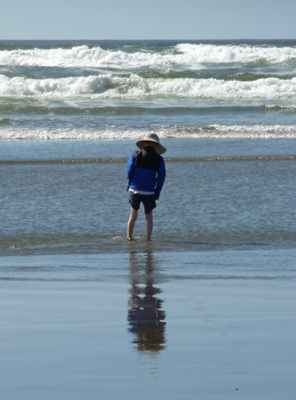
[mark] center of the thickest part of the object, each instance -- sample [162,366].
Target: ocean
[120,89]
[71,113]
[207,308]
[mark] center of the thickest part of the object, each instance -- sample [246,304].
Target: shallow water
[70,197]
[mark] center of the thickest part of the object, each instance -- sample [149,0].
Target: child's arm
[160,179]
[130,170]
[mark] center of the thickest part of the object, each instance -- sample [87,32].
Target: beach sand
[145,324]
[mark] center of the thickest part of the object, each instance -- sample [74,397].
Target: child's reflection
[146,319]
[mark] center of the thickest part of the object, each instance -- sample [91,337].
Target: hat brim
[159,149]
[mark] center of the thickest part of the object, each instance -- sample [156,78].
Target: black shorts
[147,199]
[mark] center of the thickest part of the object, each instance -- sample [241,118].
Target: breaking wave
[108,87]
[193,55]
[177,132]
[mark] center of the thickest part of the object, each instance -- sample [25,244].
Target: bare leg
[149,219]
[131,223]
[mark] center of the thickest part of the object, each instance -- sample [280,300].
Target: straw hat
[151,137]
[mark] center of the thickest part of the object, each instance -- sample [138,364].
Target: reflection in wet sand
[145,316]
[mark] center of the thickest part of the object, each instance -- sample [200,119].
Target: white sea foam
[217,131]
[83,56]
[280,107]
[192,55]
[135,87]
[208,53]
[164,132]
[253,132]
[62,87]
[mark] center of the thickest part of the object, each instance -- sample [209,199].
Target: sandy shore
[149,325]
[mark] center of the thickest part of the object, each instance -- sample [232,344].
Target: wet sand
[149,325]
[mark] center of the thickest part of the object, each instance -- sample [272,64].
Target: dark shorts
[147,199]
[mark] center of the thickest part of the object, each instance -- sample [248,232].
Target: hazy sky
[148,19]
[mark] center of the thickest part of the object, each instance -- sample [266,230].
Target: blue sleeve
[160,179]
[130,170]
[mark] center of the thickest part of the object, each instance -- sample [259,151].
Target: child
[145,176]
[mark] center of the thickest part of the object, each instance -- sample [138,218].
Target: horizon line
[151,40]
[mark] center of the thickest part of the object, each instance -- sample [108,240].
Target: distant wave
[68,110]
[132,87]
[193,55]
[178,132]
[83,56]
[208,53]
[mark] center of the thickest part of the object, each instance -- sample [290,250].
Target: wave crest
[134,87]
[208,53]
[164,132]
[192,55]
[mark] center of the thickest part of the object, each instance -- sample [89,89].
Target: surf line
[171,160]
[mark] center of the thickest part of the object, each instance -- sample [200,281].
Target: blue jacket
[146,171]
